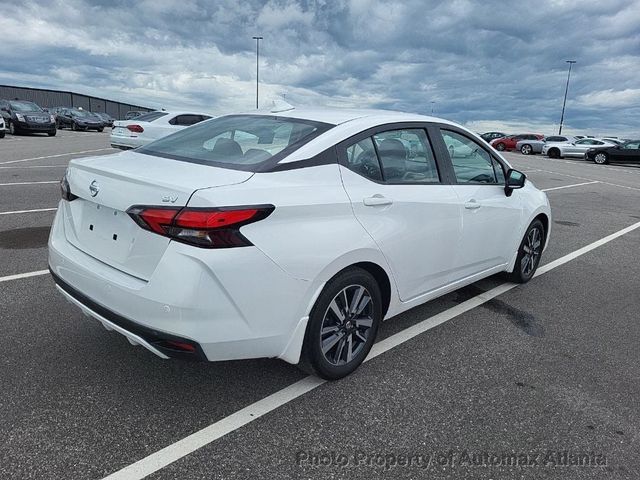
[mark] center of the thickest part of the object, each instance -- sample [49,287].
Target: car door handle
[472,205]
[377,201]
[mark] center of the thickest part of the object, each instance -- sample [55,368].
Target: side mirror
[514,180]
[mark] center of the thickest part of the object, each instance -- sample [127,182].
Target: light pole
[566,89]
[257,39]
[432,105]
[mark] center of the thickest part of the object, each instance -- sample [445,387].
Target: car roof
[338,116]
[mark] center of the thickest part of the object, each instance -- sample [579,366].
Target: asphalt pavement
[539,381]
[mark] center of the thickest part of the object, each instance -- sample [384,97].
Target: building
[57,98]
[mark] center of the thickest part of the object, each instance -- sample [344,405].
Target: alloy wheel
[526,149]
[346,325]
[532,249]
[600,158]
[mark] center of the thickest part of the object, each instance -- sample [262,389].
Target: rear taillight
[135,128]
[202,227]
[65,189]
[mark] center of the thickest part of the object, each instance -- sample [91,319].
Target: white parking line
[16,212]
[591,179]
[199,439]
[28,183]
[18,276]
[35,166]
[55,156]
[569,186]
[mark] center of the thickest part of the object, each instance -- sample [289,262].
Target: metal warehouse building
[57,98]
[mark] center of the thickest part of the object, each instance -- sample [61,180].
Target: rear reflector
[202,227]
[135,128]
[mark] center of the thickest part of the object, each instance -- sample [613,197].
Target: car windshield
[25,107]
[79,113]
[242,142]
[149,117]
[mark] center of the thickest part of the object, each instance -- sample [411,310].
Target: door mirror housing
[515,179]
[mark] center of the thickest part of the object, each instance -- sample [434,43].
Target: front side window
[471,163]
[237,141]
[585,141]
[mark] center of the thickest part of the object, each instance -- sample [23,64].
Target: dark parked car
[77,119]
[22,116]
[628,152]
[487,137]
[106,118]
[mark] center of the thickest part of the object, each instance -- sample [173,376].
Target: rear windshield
[149,117]
[242,142]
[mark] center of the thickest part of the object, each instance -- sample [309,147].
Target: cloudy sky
[486,64]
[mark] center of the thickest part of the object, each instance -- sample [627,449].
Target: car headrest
[227,148]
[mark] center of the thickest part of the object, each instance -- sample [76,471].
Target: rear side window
[471,163]
[242,142]
[395,157]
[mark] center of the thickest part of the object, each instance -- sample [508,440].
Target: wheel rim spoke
[336,310]
[355,300]
[329,343]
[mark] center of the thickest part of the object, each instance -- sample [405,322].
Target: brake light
[202,227]
[65,189]
[135,128]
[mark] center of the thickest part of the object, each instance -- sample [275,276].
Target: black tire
[74,127]
[500,147]
[52,133]
[2,134]
[13,130]
[100,129]
[526,149]
[601,158]
[58,125]
[355,329]
[524,270]
[553,153]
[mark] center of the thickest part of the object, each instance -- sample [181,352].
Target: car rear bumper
[229,304]
[125,143]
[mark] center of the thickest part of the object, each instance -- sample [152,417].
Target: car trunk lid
[107,186]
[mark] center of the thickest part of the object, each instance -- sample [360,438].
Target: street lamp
[566,89]
[257,39]
[432,104]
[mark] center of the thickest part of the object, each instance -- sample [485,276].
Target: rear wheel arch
[545,223]
[382,279]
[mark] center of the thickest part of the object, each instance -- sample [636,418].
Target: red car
[509,143]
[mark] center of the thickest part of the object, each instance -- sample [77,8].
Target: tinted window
[185,120]
[471,163]
[236,141]
[151,116]
[406,157]
[362,159]
[557,139]
[632,145]
[585,141]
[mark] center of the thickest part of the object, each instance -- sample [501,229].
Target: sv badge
[169,198]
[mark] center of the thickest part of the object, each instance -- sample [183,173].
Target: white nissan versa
[289,234]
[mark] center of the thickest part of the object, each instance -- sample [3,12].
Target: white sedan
[151,126]
[2,128]
[289,234]
[577,148]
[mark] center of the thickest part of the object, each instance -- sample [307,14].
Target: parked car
[151,126]
[488,136]
[529,147]
[628,152]
[509,143]
[107,119]
[219,242]
[615,140]
[77,119]
[573,149]
[21,116]
[2,129]
[133,114]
